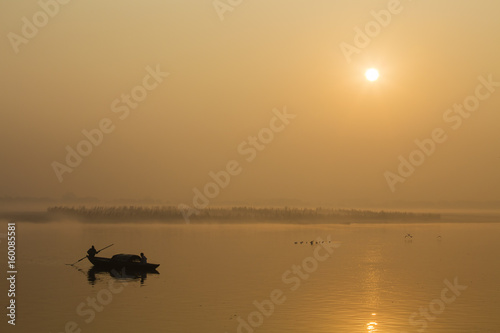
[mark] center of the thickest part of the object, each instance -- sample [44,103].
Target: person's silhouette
[92,252]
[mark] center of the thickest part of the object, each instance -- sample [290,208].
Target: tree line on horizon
[172,213]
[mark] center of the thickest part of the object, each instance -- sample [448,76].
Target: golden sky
[234,67]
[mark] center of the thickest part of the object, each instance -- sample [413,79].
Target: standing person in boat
[144,260]
[92,252]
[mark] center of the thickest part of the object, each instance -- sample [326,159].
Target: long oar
[104,248]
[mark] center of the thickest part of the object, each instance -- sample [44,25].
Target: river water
[254,278]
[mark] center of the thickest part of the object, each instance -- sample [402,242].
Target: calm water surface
[211,275]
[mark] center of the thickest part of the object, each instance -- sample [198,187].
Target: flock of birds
[408,237]
[311,242]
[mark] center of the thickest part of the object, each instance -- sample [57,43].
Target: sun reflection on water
[372,325]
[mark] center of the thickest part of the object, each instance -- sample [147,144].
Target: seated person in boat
[92,252]
[144,260]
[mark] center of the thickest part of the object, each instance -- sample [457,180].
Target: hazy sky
[74,71]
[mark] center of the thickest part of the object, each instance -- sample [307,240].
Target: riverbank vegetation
[234,214]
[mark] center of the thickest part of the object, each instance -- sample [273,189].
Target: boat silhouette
[118,261]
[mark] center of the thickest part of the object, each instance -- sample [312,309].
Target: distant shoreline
[243,215]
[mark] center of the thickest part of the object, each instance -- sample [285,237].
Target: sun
[371,74]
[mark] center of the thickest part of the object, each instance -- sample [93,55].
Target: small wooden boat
[129,261]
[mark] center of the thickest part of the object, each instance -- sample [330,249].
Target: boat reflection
[95,273]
